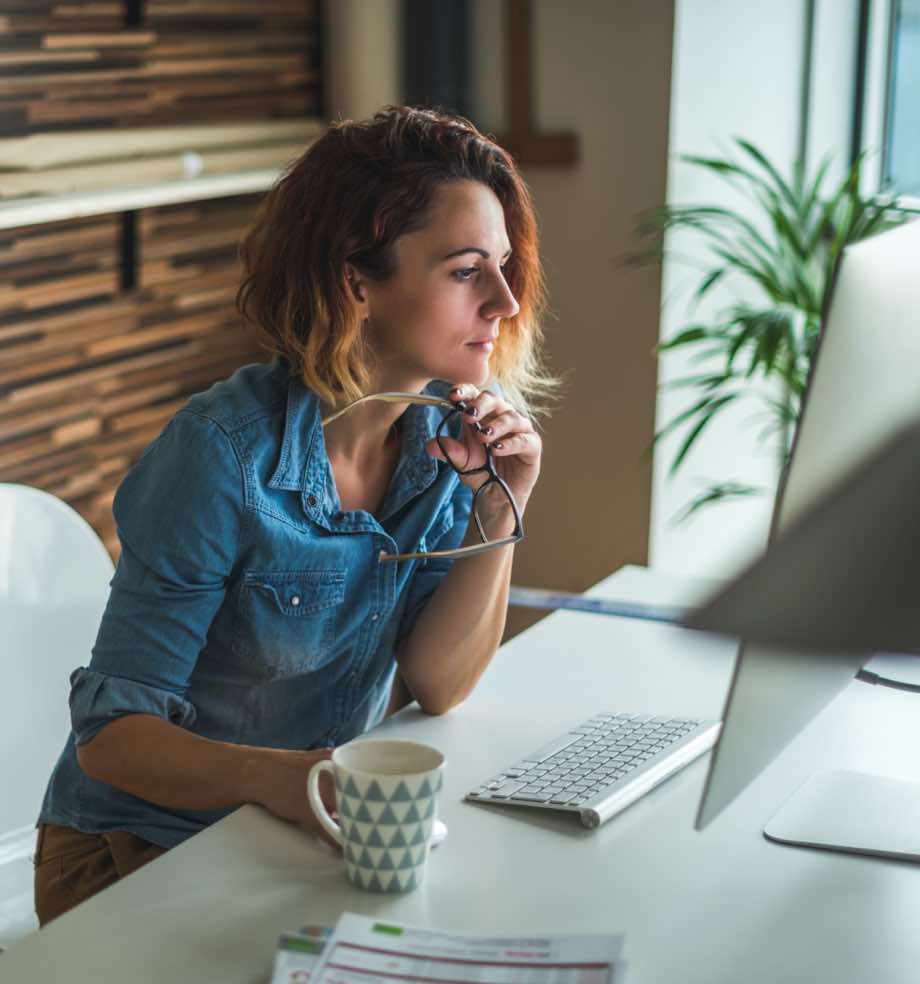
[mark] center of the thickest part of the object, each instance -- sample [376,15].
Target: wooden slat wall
[73,64]
[89,375]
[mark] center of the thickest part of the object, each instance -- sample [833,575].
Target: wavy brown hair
[348,198]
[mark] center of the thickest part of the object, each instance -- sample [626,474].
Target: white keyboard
[598,768]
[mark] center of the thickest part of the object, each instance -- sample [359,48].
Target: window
[901,156]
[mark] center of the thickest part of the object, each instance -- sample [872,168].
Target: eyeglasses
[488,468]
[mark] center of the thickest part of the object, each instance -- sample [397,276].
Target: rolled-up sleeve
[98,698]
[430,573]
[179,519]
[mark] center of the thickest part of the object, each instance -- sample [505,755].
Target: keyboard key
[547,751]
[564,798]
[503,792]
[536,797]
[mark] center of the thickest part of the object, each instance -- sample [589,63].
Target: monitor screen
[862,389]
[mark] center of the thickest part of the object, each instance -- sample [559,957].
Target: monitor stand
[854,812]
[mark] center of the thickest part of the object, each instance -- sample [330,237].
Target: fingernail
[473,411]
[498,444]
[457,389]
[487,430]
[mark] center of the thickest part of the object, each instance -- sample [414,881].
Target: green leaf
[675,422]
[707,381]
[709,281]
[777,178]
[712,407]
[717,493]
[691,334]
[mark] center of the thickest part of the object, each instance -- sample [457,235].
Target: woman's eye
[466,273]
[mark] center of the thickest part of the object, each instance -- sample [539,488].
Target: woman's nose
[502,303]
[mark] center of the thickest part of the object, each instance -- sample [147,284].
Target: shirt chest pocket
[287,620]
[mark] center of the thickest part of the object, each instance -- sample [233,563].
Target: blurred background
[138,136]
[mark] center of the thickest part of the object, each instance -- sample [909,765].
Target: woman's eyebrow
[473,249]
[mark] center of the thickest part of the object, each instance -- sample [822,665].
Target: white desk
[721,906]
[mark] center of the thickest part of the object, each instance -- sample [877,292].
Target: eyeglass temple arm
[420,399]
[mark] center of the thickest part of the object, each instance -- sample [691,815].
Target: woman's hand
[516,446]
[279,783]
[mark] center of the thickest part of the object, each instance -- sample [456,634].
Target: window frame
[873,104]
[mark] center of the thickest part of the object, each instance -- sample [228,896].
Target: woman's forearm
[160,762]
[457,633]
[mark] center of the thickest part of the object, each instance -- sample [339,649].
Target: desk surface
[722,905]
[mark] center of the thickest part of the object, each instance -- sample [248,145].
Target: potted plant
[783,249]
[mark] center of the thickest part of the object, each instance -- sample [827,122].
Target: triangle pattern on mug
[363,814]
[374,794]
[399,810]
[387,828]
[400,794]
[387,815]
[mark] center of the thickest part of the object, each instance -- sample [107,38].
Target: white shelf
[39,209]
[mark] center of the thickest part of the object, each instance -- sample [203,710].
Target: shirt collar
[303,464]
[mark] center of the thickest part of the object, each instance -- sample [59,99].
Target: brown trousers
[71,866]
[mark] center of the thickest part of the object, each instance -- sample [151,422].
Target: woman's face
[438,316]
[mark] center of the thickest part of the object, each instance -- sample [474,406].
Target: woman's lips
[482,344]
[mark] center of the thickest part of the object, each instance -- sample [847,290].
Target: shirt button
[375,616]
[295,600]
[311,500]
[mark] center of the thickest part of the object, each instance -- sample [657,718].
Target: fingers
[478,402]
[526,444]
[459,452]
[500,426]
[500,423]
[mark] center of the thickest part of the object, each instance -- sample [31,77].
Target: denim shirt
[247,606]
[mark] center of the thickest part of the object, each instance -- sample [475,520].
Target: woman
[262,602]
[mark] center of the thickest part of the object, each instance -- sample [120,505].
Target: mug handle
[319,808]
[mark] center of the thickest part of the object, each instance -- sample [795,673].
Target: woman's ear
[354,283]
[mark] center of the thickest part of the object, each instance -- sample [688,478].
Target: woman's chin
[474,371]
[477,370]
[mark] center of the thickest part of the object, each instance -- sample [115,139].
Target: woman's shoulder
[253,392]
[200,447]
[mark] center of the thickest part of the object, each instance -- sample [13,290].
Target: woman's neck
[371,428]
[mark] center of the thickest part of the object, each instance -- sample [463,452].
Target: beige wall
[603,71]
[360,56]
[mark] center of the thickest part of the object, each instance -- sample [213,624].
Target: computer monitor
[863,388]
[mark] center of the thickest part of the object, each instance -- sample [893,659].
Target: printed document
[365,950]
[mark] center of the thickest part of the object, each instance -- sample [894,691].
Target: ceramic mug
[386,794]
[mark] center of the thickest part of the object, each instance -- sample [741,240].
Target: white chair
[54,577]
